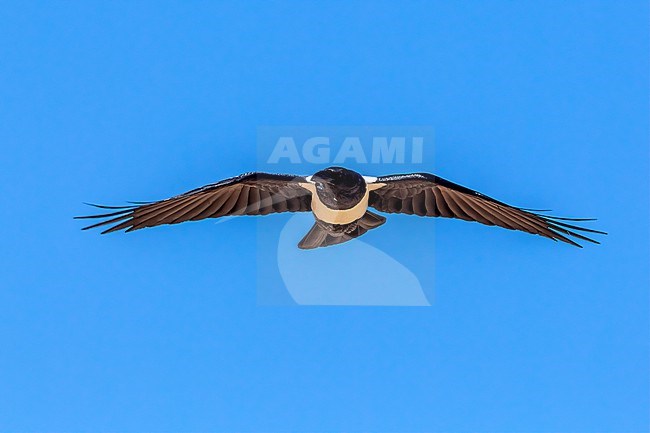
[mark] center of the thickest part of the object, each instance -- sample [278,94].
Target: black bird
[339,199]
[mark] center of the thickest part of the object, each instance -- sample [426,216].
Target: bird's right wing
[428,195]
[248,194]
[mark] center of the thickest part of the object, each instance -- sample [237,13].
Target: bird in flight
[340,200]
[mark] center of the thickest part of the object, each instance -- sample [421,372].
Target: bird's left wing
[248,194]
[428,195]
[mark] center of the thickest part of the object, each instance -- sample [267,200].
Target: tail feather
[370,221]
[318,236]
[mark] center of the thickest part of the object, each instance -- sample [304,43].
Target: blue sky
[541,104]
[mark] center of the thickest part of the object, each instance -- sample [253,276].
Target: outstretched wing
[428,195]
[248,194]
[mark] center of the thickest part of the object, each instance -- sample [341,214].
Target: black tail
[319,236]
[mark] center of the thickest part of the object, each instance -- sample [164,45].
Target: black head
[339,188]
